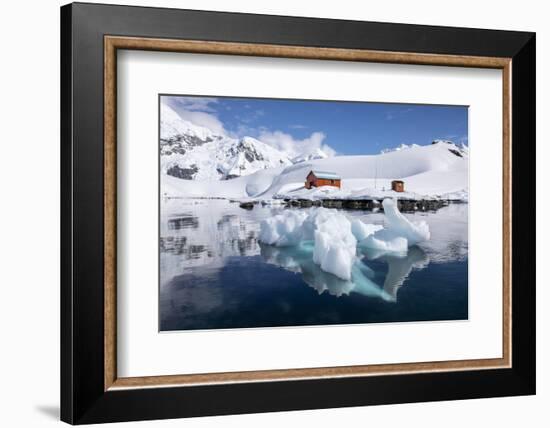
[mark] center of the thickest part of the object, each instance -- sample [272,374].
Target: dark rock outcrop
[183,173]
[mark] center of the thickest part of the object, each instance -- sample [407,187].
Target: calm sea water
[214,273]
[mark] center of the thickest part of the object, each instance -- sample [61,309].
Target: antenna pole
[375,171]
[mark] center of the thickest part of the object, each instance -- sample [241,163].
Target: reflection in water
[399,267]
[205,233]
[183,222]
[299,259]
[214,272]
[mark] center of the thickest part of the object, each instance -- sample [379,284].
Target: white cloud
[293,147]
[197,110]
[463,139]
[243,130]
[208,120]
[194,103]
[249,116]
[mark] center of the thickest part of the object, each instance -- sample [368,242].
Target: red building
[398,186]
[322,178]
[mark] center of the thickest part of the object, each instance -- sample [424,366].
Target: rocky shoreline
[404,205]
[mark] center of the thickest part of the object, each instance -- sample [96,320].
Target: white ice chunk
[363,230]
[320,250]
[333,255]
[283,229]
[334,243]
[399,234]
[387,241]
[335,246]
[338,261]
[414,232]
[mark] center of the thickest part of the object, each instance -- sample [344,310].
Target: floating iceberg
[283,230]
[400,233]
[387,241]
[334,243]
[335,238]
[334,256]
[363,230]
[415,232]
[331,232]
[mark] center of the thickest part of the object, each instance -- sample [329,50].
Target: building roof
[326,175]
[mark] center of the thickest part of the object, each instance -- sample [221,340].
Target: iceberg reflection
[299,259]
[399,266]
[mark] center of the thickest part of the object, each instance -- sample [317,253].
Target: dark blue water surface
[215,274]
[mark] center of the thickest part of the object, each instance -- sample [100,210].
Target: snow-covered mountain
[193,152]
[433,170]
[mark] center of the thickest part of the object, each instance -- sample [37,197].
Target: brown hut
[322,178]
[398,186]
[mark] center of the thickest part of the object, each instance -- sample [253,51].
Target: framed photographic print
[266,213]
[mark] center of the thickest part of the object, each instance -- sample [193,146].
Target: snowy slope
[174,129]
[436,170]
[192,152]
[399,148]
[315,154]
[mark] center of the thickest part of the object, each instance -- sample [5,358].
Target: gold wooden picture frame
[114,43]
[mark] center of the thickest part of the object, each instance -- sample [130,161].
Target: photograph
[290,212]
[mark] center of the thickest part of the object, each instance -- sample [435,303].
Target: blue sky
[346,128]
